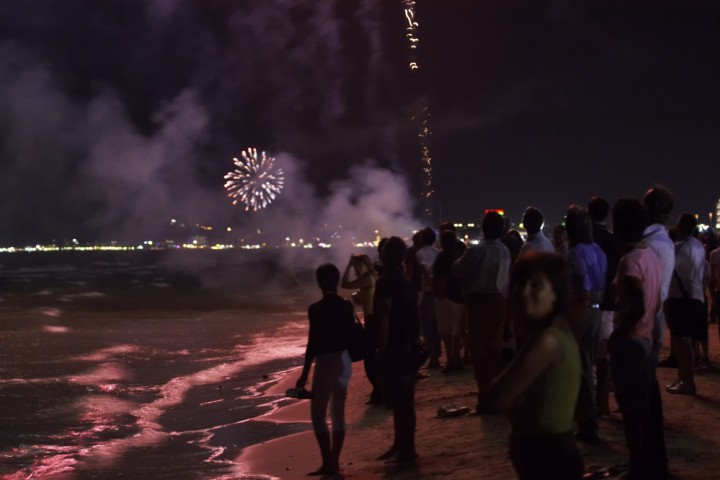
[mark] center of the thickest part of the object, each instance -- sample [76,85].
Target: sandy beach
[475,447]
[130,372]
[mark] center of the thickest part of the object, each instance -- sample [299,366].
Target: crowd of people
[548,325]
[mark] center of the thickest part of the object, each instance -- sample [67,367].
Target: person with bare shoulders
[539,388]
[363,283]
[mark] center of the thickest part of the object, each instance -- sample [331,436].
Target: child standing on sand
[331,326]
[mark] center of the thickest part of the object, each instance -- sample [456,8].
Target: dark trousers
[588,336]
[428,324]
[370,364]
[546,457]
[637,395]
[656,412]
[486,326]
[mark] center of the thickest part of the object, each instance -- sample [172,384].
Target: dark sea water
[144,365]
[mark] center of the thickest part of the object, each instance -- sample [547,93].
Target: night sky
[117,116]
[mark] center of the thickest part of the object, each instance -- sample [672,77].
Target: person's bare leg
[323,440]
[338,438]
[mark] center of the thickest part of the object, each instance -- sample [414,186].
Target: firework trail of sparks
[254,182]
[422,116]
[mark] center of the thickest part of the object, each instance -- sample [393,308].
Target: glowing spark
[254,182]
[423,115]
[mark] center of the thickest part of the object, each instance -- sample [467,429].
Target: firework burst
[255,182]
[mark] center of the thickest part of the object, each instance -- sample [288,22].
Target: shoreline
[475,446]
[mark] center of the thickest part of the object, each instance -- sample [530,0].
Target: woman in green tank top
[539,388]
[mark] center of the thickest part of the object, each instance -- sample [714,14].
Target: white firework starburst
[255,182]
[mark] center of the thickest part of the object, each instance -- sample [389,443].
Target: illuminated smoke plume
[124,122]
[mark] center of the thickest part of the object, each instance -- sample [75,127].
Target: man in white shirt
[536,241]
[484,272]
[685,301]
[658,203]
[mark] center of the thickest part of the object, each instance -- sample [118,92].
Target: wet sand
[475,447]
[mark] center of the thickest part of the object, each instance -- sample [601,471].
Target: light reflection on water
[119,413]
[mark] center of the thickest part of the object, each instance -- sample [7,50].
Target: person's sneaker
[681,388]
[673,384]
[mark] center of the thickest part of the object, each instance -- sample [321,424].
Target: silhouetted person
[598,209]
[638,286]
[449,300]
[396,310]
[412,269]
[512,239]
[658,203]
[588,265]
[685,304]
[331,325]
[484,272]
[424,260]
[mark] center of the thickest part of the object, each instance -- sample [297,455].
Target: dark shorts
[685,317]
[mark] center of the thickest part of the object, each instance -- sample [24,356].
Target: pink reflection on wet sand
[55,329]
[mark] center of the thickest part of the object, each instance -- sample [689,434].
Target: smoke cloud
[132,117]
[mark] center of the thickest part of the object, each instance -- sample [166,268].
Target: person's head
[328,277]
[447,240]
[578,225]
[710,240]
[540,287]
[362,264]
[427,236]
[493,225]
[393,252]
[381,245]
[629,220]
[598,209]
[446,226]
[658,202]
[533,220]
[686,225]
[417,238]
